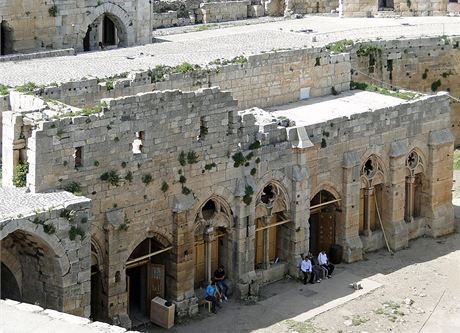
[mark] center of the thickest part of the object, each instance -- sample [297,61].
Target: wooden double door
[322,231]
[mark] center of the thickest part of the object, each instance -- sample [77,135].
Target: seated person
[324,262]
[307,271]
[211,295]
[320,271]
[219,277]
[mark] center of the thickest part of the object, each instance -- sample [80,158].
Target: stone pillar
[393,204]
[266,240]
[183,293]
[438,209]
[11,145]
[409,204]
[350,239]
[208,238]
[368,192]
[299,209]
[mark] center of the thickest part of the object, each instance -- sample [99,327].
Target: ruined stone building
[172,176]
[39,25]
[29,26]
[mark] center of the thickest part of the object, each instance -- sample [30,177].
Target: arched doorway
[212,241]
[105,31]
[6,38]
[371,204]
[9,285]
[272,227]
[37,263]
[147,276]
[97,288]
[323,218]
[413,187]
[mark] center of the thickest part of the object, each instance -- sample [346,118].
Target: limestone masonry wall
[426,65]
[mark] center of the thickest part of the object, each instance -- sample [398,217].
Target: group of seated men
[316,269]
[217,289]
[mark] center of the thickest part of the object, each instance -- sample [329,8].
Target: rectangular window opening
[78,156]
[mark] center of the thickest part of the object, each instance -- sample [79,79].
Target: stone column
[368,192]
[409,207]
[438,209]
[266,240]
[351,241]
[208,238]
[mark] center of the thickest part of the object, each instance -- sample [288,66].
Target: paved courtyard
[201,47]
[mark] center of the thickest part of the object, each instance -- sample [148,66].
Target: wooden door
[326,231]
[272,242]
[156,278]
[200,264]
[259,244]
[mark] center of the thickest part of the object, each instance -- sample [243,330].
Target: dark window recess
[78,155]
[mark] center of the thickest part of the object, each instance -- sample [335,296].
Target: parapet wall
[264,80]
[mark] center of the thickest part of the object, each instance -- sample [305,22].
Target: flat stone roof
[321,109]
[26,318]
[16,202]
[202,47]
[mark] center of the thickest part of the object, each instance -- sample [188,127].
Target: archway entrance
[107,31]
[386,5]
[9,285]
[212,240]
[323,212]
[96,285]
[212,249]
[6,38]
[147,277]
[35,276]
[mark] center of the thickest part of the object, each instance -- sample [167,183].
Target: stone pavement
[201,47]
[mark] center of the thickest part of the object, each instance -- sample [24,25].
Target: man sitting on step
[324,262]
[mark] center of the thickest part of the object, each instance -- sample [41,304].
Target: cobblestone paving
[201,47]
[16,201]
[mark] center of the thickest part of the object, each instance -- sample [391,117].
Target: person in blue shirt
[211,295]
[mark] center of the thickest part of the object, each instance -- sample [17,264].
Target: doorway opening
[147,277]
[218,255]
[323,215]
[6,38]
[9,285]
[386,5]
[105,32]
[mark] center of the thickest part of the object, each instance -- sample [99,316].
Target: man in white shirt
[306,268]
[324,262]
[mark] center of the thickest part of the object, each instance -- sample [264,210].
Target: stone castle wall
[33,26]
[369,8]
[427,65]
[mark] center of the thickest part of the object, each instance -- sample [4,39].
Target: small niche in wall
[78,157]
[138,142]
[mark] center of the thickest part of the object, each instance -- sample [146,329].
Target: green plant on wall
[68,214]
[75,231]
[73,187]
[49,229]
[435,85]
[112,177]
[164,187]
[3,90]
[248,192]
[192,157]
[147,178]
[339,46]
[20,174]
[182,158]
[53,11]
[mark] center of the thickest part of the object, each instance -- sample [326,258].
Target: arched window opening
[413,187]
[208,210]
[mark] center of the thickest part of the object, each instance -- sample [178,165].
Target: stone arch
[96,253]
[222,218]
[379,172]
[160,236]
[420,166]
[280,202]
[120,18]
[329,187]
[42,262]
[223,193]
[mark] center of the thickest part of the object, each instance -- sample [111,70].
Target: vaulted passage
[29,271]
[106,31]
